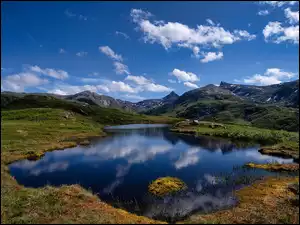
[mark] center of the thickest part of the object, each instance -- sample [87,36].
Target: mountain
[148,104]
[225,104]
[92,98]
[286,94]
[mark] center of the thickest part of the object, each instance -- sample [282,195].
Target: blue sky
[138,50]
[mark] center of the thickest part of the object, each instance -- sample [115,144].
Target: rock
[195,122]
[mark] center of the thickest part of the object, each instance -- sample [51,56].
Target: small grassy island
[166,185]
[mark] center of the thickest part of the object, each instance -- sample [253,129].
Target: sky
[141,50]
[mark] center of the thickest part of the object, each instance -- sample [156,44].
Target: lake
[119,167]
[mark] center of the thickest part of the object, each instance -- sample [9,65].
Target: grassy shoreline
[29,131]
[274,142]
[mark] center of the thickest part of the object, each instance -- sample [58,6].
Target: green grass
[236,112]
[31,132]
[249,133]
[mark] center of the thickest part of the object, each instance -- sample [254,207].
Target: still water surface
[120,167]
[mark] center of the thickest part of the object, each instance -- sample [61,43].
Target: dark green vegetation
[264,107]
[106,116]
[274,142]
[238,132]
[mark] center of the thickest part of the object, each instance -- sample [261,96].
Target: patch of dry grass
[275,166]
[266,202]
[166,185]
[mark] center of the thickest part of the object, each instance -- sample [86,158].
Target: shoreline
[76,193]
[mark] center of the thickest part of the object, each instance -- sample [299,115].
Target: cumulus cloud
[58,74]
[174,33]
[117,86]
[271,76]
[18,82]
[66,89]
[191,85]
[184,76]
[122,34]
[276,33]
[293,17]
[211,56]
[121,68]
[145,84]
[278,3]
[156,88]
[263,12]
[140,80]
[81,54]
[110,53]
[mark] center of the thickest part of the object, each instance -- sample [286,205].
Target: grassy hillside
[107,116]
[241,112]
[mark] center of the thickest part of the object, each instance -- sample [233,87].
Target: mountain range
[272,106]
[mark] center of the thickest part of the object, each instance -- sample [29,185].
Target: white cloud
[122,34]
[81,54]
[146,84]
[174,33]
[184,76]
[119,86]
[134,97]
[57,92]
[271,76]
[274,32]
[276,72]
[121,68]
[292,16]
[18,82]
[278,3]
[140,80]
[211,56]
[263,12]
[58,74]
[191,85]
[62,51]
[172,81]
[66,89]
[210,22]
[261,80]
[156,88]
[110,53]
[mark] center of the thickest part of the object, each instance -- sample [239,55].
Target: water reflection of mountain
[213,143]
[210,143]
[162,132]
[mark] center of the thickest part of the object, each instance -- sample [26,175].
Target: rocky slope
[285,93]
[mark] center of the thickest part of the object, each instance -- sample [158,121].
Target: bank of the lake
[274,142]
[73,204]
